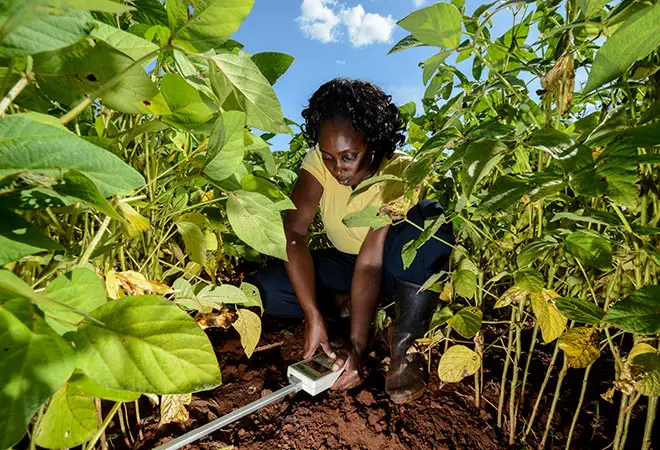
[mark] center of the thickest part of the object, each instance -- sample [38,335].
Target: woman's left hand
[351,361]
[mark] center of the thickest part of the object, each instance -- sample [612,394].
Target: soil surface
[445,417]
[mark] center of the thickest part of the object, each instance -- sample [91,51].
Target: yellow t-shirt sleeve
[313,163]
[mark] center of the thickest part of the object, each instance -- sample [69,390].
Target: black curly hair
[365,106]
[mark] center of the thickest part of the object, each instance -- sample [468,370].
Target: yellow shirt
[334,201]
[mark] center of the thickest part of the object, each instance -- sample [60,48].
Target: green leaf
[248,326]
[432,64]
[76,184]
[35,363]
[235,73]
[438,25]
[226,146]
[256,222]
[272,65]
[577,218]
[638,312]
[591,248]
[529,280]
[650,363]
[20,238]
[366,184]
[563,148]
[131,45]
[53,150]
[467,321]
[70,420]
[440,317]
[479,159]
[508,190]
[184,295]
[194,241]
[579,310]
[177,13]
[368,217]
[253,296]
[211,24]
[464,283]
[81,289]
[406,43]
[225,294]
[47,33]
[457,363]
[550,320]
[635,39]
[254,183]
[591,7]
[69,74]
[255,144]
[188,107]
[82,383]
[149,345]
[535,250]
[581,346]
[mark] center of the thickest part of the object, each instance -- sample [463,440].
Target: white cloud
[318,21]
[419,3]
[341,62]
[366,28]
[405,93]
[321,20]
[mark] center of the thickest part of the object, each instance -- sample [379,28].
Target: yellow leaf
[513,294]
[580,345]
[173,408]
[457,363]
[137,284]
[248,326]
[550,320]
[135,223]
[639,349]
[112,285]
[447,293]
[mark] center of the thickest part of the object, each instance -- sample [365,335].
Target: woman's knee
[276,291]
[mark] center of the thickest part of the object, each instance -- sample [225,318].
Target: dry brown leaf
[222,319]
[560,81]
[137,284]
[173,408]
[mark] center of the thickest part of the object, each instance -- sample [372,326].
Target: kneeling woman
[353,130]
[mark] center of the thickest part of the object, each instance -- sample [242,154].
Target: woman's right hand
[316,335]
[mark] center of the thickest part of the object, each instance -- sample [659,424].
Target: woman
[353,130]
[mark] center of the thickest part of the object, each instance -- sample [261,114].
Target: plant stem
[619,426]
[548,373]
[95,241]
[560,381]
[650,418]
[99,418]
[13,93]
[624,436]
[527,363]
[507,360]
[579,406]
[514,377]
[104,425]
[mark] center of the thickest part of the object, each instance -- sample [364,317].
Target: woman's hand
[316,335]
[351,361]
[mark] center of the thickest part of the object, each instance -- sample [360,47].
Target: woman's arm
[306,196]
[364,296]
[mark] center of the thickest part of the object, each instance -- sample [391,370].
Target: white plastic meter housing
[315,374]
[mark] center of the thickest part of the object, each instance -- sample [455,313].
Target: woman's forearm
[300,269]
[364,297]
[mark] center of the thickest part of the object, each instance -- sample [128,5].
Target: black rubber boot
[407,376]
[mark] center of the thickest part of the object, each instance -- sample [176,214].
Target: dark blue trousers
[334,269]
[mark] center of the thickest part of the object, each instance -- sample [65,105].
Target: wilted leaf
[457,363]
[173,408]
[581,346]
[638,312]
[248,326]
[137,284]
[550,320]
[649,361]
[214,319]
[512,295]
[560,81]
[467,321]
[135,223]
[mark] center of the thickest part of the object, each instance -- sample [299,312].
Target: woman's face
[344,152]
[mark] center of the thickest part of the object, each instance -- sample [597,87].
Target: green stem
[555,400]
[514,377]
[579,406]
[527,363]
[548,373]
[620,422]
[650,418]
[13,93]
[95,241]
[104,425]
[507,360]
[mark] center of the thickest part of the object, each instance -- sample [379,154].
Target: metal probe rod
[233,416]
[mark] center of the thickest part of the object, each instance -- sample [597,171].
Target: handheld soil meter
[313,376]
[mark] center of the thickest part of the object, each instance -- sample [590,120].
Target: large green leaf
[464,283]
[76,184]
[638,312]
[406,43]
[272,65]
[70,419]
[69,74]
[82,383]
[211,24]
[29,145]
[128,43]
[467,321]
[479,159]
[256,145]
[529,280]
[148,344]
[366,184]
[591,7]
[46,33]
[637,38]
[368,217]
[35,363]
[579,310]
[409,251]
[510,189]
[438,24]
[590,248]
[81,289]
[235,73]
[19,238]
[226,146]
[562,147]
[194,241]
[257,222]
[225,294]
[189,108]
